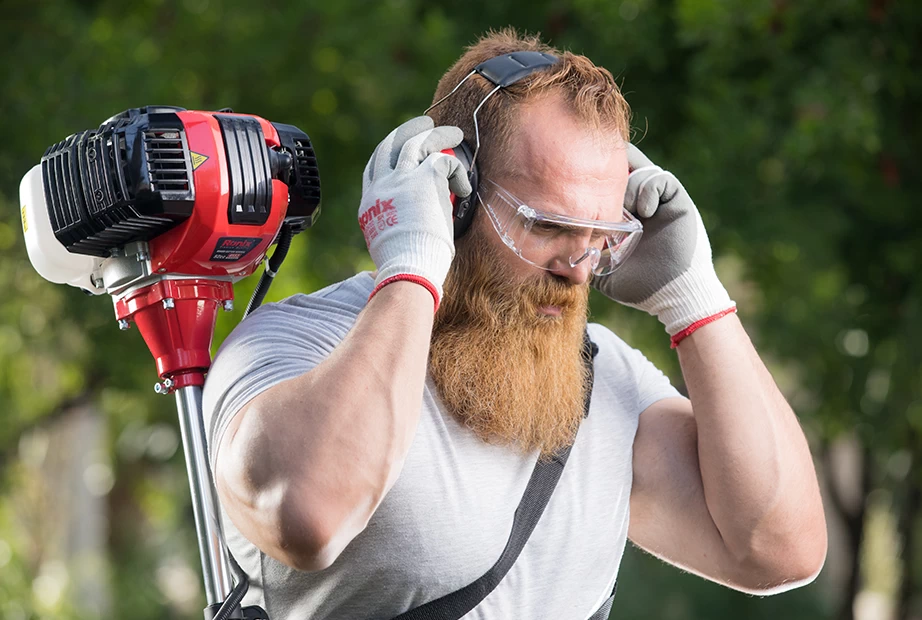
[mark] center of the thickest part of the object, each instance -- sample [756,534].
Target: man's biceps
[241,429]
[665,459]
[232,450]
[230,431]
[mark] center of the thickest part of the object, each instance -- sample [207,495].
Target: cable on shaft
[272,267]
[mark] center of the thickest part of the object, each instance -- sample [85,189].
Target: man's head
[506,344]
[589,92]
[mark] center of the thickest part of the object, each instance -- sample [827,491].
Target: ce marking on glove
[379,216]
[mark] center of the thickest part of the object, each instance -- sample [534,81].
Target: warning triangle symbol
[198,159]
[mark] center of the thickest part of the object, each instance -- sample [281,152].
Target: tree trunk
[71,475]
[907,523]
[850,506]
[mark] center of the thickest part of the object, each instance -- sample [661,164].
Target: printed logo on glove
[381,215]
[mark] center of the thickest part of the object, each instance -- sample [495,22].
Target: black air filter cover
[129,180]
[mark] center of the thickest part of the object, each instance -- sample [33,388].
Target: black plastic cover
[303,180]
[463,208]
[248,164]
[132,178]
[129,180]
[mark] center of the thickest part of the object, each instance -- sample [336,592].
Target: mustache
[495,304]
[481,292]
[550,290]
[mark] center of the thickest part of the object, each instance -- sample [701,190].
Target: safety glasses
[551,241]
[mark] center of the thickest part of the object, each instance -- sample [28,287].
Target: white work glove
[406,212]
[671,273]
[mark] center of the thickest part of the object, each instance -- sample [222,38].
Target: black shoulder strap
[537,494]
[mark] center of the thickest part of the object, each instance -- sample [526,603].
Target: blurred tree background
[795,126]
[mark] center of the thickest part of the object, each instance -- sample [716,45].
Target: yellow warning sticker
[25,220]
[198,159]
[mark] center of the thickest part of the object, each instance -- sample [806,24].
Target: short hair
[591,92]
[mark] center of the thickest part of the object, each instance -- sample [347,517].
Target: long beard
[511,375]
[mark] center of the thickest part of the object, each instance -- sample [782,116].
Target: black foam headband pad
[510,68]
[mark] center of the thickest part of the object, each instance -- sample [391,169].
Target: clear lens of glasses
[551,241]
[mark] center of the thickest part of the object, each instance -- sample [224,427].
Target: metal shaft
[215,565]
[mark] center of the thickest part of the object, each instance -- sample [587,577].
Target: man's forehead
[556,158]
[572,157]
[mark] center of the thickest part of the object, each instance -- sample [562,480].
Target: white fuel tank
[49,257]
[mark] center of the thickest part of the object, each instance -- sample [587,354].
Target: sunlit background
[795,126]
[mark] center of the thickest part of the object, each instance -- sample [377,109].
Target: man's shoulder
[607,340]
[347,296]
[625,370]
[341,301]
[617,360]
[326,314]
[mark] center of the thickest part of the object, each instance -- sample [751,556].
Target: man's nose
[576,257]
[578,274]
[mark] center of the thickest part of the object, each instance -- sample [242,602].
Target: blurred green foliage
[795,127]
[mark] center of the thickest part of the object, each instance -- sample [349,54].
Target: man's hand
[406,212]
[671,274]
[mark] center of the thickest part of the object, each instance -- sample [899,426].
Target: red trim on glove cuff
[408,277]
[685,333]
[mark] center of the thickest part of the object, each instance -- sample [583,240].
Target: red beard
[512,375]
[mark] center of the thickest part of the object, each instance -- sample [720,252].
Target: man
[370,453]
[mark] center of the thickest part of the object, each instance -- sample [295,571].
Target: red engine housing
[200,258]
[197,246]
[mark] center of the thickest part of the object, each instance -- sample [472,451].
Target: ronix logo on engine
[230,249]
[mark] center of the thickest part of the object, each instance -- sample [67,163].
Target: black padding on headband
[510,68]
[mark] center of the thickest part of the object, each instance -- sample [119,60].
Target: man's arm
[724,486]
[303,466]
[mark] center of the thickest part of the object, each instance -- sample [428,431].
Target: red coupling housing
[176,318]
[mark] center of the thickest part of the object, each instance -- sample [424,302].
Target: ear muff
[503,70]
[463,208]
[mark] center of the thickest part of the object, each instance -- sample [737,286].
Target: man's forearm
[759,482]
[312,457]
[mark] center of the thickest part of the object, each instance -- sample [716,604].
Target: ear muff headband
[502,71]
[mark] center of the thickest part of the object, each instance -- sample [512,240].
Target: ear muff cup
[463,208]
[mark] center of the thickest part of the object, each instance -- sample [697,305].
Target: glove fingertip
[445,137]
[420,123]
[636,158]
[459,184]
[452,134]
[451,167]
[647,202]
[647,210]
